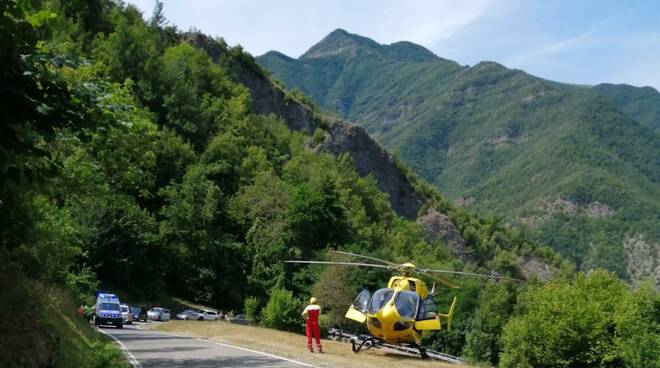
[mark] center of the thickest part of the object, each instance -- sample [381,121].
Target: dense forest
[132,160]
[576,165]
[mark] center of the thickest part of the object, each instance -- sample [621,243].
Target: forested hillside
[139,158]
[641,104]
[578,166]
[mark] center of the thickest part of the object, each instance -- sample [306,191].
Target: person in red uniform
[311,314]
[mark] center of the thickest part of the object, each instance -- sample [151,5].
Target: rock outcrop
[438,225]
[535,267]
[642,259]
[267,98]
[371,158]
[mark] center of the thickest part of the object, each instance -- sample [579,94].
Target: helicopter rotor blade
[439,279]
[468,274]
[365,257]
[342,264]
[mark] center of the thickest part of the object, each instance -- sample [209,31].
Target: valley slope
[577,164]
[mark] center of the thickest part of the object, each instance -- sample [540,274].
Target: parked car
[158,314]
[188,314]
[240,319]
[126,314]
[138,314]
[107,311]
[207,315]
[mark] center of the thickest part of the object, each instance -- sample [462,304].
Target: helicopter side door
[357,311]
[427,316]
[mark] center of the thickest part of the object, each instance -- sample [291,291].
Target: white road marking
[258,352]
[131,358]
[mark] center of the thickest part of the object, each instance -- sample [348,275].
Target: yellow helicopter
[399,313]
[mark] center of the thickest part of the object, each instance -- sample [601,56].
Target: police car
[107,311]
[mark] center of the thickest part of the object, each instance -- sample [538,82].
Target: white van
[107,311]
[126,314]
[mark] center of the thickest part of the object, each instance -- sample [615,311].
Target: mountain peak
[339,42]
[339,32]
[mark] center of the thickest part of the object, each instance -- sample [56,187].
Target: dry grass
[294,346]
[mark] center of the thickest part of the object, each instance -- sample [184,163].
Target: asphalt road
[151,349]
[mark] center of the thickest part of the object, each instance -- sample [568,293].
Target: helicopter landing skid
[366,342]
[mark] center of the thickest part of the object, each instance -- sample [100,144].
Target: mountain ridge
[502,141]
[341,42]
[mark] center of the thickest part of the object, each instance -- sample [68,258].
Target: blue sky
[582,42]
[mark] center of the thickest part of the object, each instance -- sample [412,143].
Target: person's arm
[304,312]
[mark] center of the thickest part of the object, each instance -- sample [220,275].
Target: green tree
[581,323]
[282,311]
[496,302]
[251,308]
[198,96]
[315,216]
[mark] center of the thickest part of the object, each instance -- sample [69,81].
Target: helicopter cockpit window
[378,300]
[427,310]
[406,304]
[362,301]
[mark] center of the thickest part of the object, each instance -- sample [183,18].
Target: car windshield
[136,310]
[212,313]
[108,306]
[156,309]
[406,304]
[187,311]
[379,299]
[124,309]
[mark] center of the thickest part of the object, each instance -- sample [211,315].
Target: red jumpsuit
[312,313]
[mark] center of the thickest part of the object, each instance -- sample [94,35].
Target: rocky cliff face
[438,226]
[341,137]
[267,98]
[371,158]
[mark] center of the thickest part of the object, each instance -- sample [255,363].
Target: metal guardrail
[340,335]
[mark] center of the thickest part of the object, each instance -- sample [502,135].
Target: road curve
[154,349]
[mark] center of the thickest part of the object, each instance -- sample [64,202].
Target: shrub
[319,136]
[105,355]
[282,311]
[251,306]
[325,323]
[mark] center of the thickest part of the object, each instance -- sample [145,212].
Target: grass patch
[292,345]
[46,331]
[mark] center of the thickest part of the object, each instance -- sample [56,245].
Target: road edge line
[242,348]
[258,352]
[127,353]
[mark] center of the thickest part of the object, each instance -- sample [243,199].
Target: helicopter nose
[389,314]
